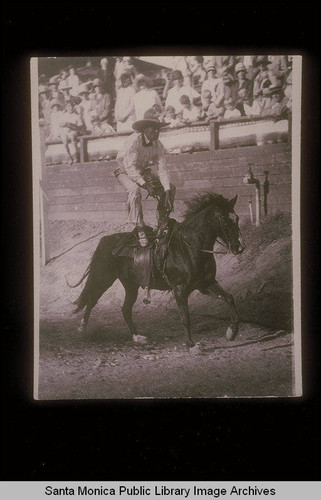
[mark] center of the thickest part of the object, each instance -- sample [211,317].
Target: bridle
[222,243]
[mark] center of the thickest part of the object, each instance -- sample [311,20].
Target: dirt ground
[104,363]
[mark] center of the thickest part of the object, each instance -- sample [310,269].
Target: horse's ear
[232,203]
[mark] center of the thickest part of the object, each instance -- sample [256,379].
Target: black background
[150,440]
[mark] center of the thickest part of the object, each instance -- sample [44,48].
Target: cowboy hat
[262,60]
[150,120]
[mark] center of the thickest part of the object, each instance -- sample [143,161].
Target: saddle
[146,264]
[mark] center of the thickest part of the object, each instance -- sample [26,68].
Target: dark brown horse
[189,266]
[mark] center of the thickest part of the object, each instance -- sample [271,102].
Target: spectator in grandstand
[101,103]
[99,128]
[230,110]
[55,94]
[63,78]
[55,120]
[179,63]
[170,117]
[206,98]
[158,111]
[65,90]
[230,86]
[70,127]
[105,75]
[85,106]
[196,69]
[248,62]
[73,80]
[278,104]
[252,107]
[224,64]
[214,85]
[145,97]
[179,89]
[124,65]
[262,81]
[44,107]
[190,113]
[208,61]
[279,69]
[124,106]
[242,81]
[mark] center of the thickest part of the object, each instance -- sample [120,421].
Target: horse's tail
[99,272]
[80,281]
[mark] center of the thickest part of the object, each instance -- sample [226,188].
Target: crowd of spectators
[198,88]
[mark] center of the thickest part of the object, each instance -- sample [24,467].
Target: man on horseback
[143,150]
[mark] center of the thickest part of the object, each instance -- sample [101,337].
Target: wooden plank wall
[90,191]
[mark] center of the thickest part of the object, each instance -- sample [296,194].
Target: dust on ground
[106,364]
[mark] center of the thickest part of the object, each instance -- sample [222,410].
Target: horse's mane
[201,201]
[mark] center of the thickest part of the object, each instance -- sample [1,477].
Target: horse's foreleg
[182,303]
[127,310]
[216,290]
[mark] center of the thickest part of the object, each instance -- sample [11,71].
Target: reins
[217,240]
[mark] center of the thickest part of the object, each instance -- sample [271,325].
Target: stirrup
[142,237]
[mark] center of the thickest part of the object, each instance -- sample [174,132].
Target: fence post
[44,226]
[83,150]
[290,129]
[214,132]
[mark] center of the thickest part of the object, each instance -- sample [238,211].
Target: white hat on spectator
[97,82]
[43,89]
[239,67]
[54,80]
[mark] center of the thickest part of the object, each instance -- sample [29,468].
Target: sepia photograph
[166,226]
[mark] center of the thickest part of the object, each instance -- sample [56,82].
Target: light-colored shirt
[174,95]
[73,81]
[55,123]
[190,115]
[144,100]
[136,157]
[232,113]
[124,108]
[216,87]
[254,110]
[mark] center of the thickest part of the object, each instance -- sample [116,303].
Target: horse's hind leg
[92,301]
[127,310]
[216,290]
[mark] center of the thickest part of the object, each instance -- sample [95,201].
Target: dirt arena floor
[104,363]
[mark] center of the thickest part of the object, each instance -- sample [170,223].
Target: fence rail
[212,136]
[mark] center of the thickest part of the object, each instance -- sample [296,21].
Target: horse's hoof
[231,333]
[190,344]
[140,339]
[82,327]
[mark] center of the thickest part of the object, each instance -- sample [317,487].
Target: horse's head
[227,227]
